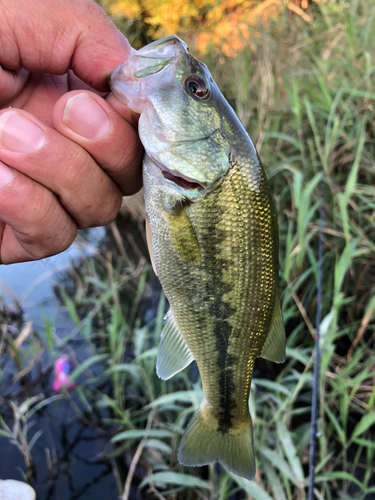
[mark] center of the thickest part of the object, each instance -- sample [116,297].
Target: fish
[212,235]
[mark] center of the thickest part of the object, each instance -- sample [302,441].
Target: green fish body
[212,235]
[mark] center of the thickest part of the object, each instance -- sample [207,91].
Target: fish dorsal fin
[274,346]
[173,354]
[149,244]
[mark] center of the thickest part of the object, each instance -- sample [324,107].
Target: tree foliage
[208,24]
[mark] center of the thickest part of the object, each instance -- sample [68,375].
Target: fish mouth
[148,60]
[131,80]
[175,178]
[157,55]
[182,181]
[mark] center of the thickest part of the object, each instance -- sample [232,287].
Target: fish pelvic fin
[204,443]
[274,346]
[173,353]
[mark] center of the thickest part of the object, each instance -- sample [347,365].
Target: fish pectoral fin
[183,236]
[204,443]
[173,353]
[274,346]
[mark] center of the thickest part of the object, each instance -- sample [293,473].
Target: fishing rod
[315,394]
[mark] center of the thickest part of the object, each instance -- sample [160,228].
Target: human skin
[67,154]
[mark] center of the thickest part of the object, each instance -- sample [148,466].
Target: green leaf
[366,443]
[339,430]
[69,304]
[86,364]
[178,479]
[278,461]
[34,439]
[314,127]
[253,489]
[345,476]
[284,137]
[297,354]
[274,482]
[158,445]
[363,425]
[150,353]
[129,368]
[273,386]
[290,451]
[183,396]
[44,403]
[359,93]
[141,433]
[343,264]
[343,202]
[353,172]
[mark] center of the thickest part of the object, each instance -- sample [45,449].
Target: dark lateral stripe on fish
[226,362]
[220,311]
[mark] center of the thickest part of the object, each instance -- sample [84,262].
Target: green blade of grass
[141,433]
[366,422]
[252,488]
[290,451]
[176,478]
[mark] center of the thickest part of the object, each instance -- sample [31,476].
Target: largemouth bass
[212,236]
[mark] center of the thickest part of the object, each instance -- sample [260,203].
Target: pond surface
[32,283]
[69,460]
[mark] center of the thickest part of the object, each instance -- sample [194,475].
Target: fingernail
[19,134]
[6,175]
[85,117]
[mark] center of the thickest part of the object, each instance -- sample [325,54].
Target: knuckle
[78,166]
[112,210]
[130,155]
[49,229]
[67,237]
[102,213]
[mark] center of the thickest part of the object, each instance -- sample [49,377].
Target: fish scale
[212,235]
[253,262]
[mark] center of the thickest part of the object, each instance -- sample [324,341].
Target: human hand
[66,155]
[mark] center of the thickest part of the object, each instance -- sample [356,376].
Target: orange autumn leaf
[226,25]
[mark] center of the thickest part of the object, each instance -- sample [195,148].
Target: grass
[305,93]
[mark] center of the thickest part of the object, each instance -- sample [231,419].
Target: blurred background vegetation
[300,76]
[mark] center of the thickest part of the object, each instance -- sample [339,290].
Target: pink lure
[63,368]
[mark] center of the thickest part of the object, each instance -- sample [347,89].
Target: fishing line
[315,394]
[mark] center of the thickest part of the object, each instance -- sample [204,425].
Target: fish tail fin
[204,443]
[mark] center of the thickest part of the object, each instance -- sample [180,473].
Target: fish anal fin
[274,346]
[204,443]
[173,353]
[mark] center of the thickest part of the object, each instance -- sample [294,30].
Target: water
[68,458]
[69,462]
[32,283]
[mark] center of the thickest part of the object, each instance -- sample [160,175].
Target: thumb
[52,36]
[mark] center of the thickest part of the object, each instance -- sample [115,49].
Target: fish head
[181,123]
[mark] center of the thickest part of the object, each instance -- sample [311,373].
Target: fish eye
[196,86]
